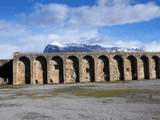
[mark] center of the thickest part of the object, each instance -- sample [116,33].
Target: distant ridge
[72,47]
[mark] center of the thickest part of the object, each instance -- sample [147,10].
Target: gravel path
[23,103]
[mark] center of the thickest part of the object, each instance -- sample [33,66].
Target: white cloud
[43,15]
[29,42]
[118,14]
[11,29]
[60,24]
[74,36]
[7,50]
[104,13]
[151,46]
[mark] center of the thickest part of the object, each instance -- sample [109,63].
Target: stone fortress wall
[30,68]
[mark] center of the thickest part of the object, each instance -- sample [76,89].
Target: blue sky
[29,25]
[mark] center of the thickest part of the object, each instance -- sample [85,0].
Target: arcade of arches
[84,67]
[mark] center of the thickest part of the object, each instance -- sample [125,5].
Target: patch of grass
[11,86]
[78,91]
[107,93]
[39,95]
[116,81]
[66,90]
[33,94]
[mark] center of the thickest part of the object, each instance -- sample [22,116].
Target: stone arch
[88,69]
[103,72]
[72,69]
[24,70]
[119,67]
[145,66]
[40,70]
[156,66]
[56,70]
[132,67]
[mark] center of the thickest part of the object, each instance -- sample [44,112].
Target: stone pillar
[85,77]
[80,74]
[140,69]
[64,69]
[99,70]
[152,71]
[20,73]
[96,68]
[37,72]
[70,71]
[81,79]
[127,69]
[49,71]
[113,69]
[15,68]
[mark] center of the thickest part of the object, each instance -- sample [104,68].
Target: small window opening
[36,81]
[87,70]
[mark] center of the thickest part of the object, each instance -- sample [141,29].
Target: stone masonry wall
[21,73]
[53,72]
[100,71]
[84,71]
[70,72]
[128,69]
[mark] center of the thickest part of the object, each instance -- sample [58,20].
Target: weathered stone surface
[152,69]
[115,70]
[70,72]
[86,67]
[53,72]
[21,73]
[141,70]
[37,72]
[100,70]
[85,71]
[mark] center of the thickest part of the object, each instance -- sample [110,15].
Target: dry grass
[107,93]
[116,81]
[78,91]
[11,86]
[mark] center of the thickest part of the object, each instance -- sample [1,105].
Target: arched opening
[105,67]
[26,73]
[6,71]
[120,66]
[133,65]
[145,63]
[90,70]
[58,67]
[74,68]
[156,66]
[43,64]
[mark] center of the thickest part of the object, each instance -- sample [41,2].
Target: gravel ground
[37,103]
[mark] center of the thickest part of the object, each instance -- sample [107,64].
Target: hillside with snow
[72,47]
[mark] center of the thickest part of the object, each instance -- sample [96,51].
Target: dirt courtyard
[135,100]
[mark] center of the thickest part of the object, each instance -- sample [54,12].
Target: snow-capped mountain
[73,47]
